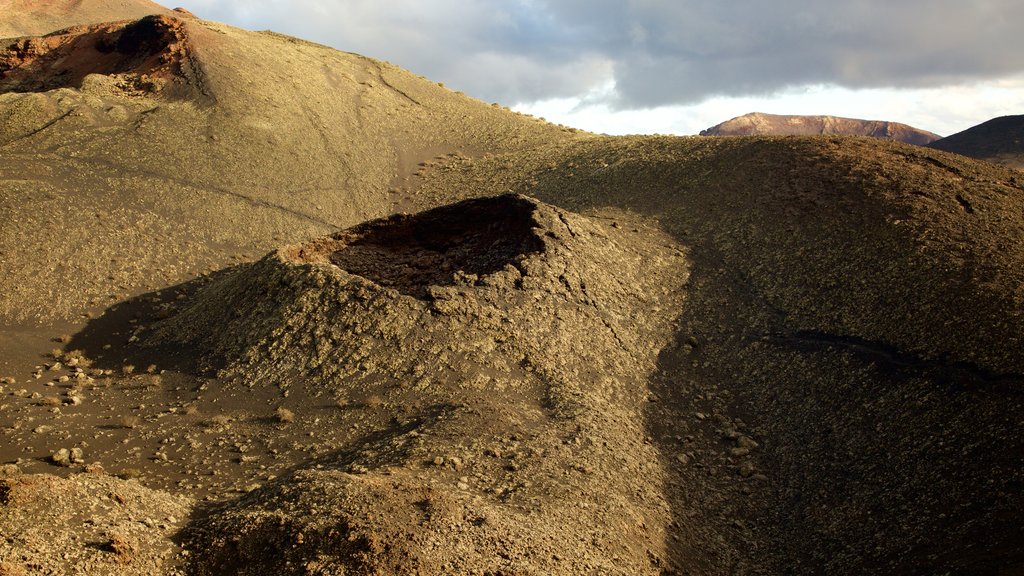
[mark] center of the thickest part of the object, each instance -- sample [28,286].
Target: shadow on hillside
[864,462]
[113,340]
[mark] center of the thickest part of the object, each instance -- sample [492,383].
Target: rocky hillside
[499,331]
[856,305]
[270,308]
[184,144]
[1000,140]
[760,124]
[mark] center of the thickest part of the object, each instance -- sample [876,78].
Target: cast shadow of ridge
[410,253]
[112,339]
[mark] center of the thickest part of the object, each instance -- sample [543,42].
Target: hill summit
[999,140]
[761,124]
[38,17]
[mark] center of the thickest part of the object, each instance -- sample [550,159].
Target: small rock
[121,545]
[739,452]
[9,470]
[61,457]
[746,442]
[746,470]
[700,416]
[683,459]
[94,468]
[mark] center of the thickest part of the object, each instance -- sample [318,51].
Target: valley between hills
[271,308]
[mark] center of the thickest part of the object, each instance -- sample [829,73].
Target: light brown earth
[659,356]
[38,17]
[761,124]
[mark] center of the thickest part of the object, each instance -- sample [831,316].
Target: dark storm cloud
[659,51]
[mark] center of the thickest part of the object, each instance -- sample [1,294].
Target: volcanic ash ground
[496,353]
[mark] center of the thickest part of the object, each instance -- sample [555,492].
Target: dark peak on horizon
[762,124]
[999,140]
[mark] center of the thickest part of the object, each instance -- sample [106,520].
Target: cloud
[658,52]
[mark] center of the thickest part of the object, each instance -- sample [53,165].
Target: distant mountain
[760,124]
[38,17]
[1000,140]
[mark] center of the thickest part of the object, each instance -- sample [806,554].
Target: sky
[680,66]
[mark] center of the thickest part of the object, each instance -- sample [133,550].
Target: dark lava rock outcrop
[760,124]
[513,342]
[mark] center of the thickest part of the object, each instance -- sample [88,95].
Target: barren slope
[181,144]
[760,124]
[690,355]
[1000,140]
[37,17]
[857,304]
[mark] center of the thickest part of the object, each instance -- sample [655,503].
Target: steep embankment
[137,154]
[760,124]
[1000,141]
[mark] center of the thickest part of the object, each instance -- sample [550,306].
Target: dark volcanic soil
[577,354]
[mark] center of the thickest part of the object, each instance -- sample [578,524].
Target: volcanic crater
[151,50]
[410,253]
